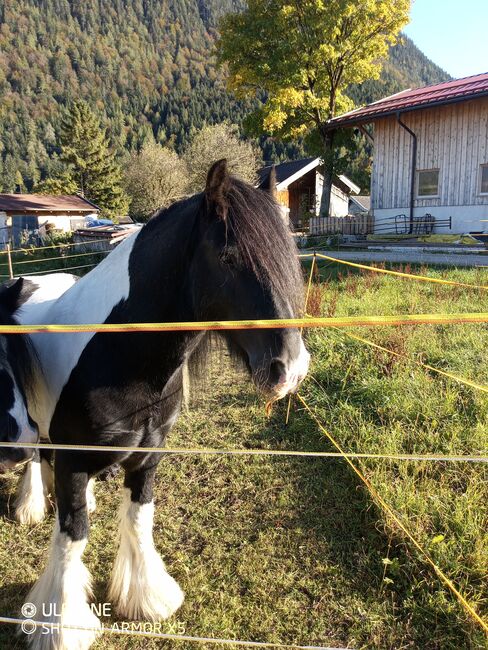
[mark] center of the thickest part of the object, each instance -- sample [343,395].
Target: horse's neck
[140,281]
[159,268]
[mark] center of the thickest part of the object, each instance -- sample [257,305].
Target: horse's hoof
[72,626]
[31,510]
[145,591]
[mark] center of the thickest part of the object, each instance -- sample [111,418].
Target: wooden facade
[452,139]
[359,224]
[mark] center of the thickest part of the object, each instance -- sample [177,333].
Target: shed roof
[45,203]
[286,170]
[289,172]
[362,201]
[448,92]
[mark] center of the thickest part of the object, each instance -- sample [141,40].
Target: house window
[484,179]
[428,182]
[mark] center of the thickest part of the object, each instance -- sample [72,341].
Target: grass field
[294,550]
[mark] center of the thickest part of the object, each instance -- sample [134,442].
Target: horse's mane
[264,242]
[261,235]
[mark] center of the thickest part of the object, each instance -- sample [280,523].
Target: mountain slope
[145,65]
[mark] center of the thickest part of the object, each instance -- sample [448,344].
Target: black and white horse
[18,366]
[223,254]
[21,387]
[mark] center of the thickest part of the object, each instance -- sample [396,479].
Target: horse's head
[16,359]
[246,267]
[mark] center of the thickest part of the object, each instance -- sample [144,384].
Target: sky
[452,33]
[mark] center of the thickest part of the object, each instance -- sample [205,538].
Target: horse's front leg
[61,594]
[35,491]
[140,586]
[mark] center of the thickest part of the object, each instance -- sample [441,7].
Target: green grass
[294,550]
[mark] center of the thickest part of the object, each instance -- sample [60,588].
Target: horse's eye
[229,258]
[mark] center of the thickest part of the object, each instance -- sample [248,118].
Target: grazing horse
[224,254]
[17,368]
[21,379]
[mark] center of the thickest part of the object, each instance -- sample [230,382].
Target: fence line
[208,451]
[287,323]
[294,323]
[156,635]
[422,278]
[43,248]
[54,259]
[63,269]
[376,496]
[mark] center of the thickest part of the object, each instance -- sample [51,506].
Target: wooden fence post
[10,266]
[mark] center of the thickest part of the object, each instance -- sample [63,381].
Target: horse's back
[39,292]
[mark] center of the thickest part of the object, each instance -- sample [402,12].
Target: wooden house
[299,190]
[430,156]
[21,214]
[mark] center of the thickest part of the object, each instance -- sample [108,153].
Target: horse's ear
[218,184]
[269,184]
[10,294]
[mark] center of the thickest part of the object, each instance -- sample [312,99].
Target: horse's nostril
[277,372]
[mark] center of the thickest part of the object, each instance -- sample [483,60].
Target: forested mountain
[145,66]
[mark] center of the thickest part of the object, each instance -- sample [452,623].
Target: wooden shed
[21,214]
[430,155]
[299,190]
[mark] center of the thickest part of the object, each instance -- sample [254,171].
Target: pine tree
[92,165]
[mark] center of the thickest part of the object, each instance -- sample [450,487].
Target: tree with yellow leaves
[303,54]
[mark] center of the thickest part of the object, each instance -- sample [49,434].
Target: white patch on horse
[140,586]
[48,288]
[33,498]
[61,599]
[295,373]
[91,502]
[90,300]
[20,415]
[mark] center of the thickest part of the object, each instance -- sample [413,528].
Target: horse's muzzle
[278,378]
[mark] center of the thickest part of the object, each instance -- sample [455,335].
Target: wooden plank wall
[453,139]
[361,224]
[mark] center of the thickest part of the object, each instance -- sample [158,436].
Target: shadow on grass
[350,529]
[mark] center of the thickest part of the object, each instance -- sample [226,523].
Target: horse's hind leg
[140,586]
[61,594]
[33,498]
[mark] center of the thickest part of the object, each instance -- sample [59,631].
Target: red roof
[448,92]
[45,203]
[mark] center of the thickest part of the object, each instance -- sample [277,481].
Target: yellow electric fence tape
[389,511]
[461,380]
[422,278]
[307,295]
[294,323]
